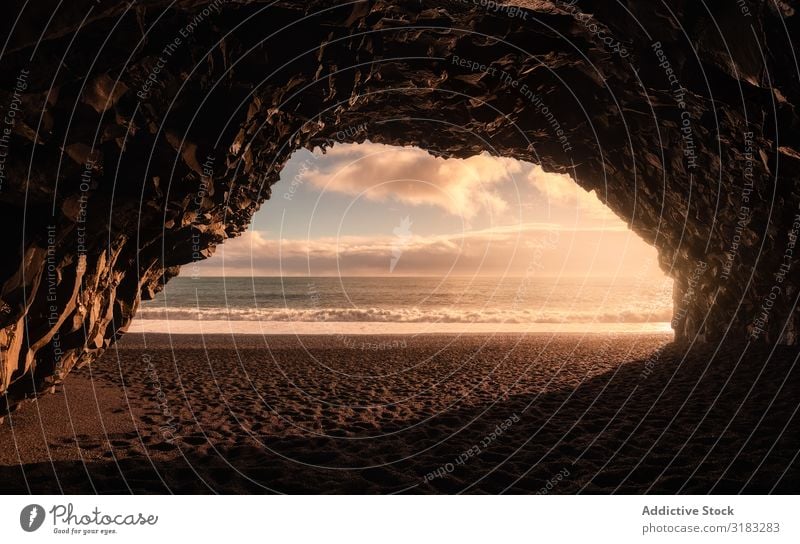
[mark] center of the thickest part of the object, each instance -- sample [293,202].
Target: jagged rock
[138,137]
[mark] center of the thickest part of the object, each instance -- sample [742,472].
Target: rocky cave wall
[138,137]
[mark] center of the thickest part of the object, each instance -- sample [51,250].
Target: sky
[376,210]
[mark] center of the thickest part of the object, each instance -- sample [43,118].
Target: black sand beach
[426,414]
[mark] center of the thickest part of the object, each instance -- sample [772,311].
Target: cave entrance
[376,238]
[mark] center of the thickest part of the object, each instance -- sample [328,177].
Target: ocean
[412,305]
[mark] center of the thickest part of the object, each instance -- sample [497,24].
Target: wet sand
[427,414]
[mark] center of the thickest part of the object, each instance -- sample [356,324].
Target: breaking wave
[405,315]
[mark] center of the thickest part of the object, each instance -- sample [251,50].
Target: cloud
[581,235]
[496,250]
[462,187]
[561,190]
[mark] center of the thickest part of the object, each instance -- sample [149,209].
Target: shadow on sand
[674,427]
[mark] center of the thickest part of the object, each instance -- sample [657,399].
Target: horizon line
[411,276]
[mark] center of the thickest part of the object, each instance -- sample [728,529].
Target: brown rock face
[136,138]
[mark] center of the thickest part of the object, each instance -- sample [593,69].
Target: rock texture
[138,137]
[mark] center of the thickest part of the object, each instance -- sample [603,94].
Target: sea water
[385,305]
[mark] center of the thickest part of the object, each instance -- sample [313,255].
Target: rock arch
[138,137]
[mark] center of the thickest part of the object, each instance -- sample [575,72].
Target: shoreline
[371,328]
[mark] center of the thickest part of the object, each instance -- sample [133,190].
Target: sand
[511,413]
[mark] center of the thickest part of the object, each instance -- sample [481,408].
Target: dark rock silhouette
[137,138]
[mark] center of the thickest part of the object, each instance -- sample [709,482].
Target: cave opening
[377,238]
